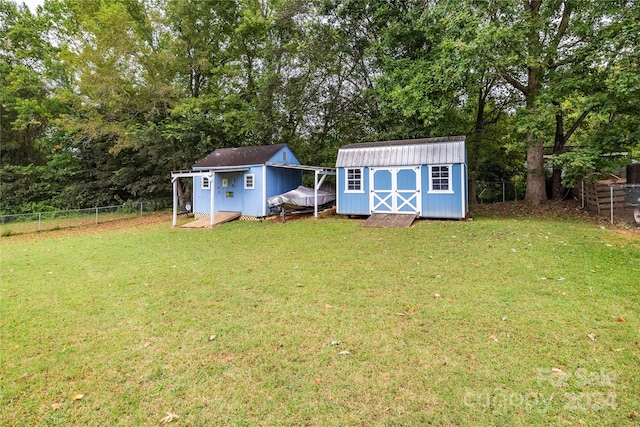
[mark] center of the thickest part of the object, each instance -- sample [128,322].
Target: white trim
[449,180]
[192,174]
[346,180]
[464,185]
[249,177]
[320,169]
[204,179]
[211,199]
[396,199]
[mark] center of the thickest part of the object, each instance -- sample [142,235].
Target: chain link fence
[619,202]
[54,220]
[497,191]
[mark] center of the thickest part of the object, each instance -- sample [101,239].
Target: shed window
[354,180]
[440,179]
[206,183]
[249,182]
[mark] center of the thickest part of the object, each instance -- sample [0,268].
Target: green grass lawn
[487,322]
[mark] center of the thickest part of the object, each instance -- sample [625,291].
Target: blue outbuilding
[241,179]
[426,177]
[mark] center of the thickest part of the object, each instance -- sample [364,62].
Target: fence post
[39,221]
[504,194]
[140,207]
[611,200]
[582,195]
[96,215]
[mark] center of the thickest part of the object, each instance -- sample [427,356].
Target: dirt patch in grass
[552,210]
[98,228]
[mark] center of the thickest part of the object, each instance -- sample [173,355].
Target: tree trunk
[536,193]
[557,189]
[180,190]
[558,145]
[473,189]
[474,148]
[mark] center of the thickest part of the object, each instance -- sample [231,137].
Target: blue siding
[286,156]
[434,205]
[229,192]
[406,179]
[234,197]
[352,203]
[452,205]
[200,196]
[281,180]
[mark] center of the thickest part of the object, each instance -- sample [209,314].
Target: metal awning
[321,170]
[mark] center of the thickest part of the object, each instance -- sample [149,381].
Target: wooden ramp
[218,218]
[384,220]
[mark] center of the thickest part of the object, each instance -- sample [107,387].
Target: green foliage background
[100,100]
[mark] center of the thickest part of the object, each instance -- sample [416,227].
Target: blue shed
[426,177]
[241,180]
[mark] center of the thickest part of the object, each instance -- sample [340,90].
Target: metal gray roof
[239,156]
[408,152]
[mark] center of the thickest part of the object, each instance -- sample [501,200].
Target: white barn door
[395,190]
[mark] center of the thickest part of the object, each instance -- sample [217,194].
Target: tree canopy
[101,99]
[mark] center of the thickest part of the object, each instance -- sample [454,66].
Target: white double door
[395,190]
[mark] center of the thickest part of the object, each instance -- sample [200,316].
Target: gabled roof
[239,156]
[407,152]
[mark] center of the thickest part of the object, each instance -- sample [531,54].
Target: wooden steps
[385,220]
[218,218]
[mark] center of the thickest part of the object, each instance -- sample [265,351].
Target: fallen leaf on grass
[78,397]
[436,295]
[619,349]
[557,370]
[344,353]
[170,417]
[335,342]
[55,406]
[494,338]
[592,337]
[328,306]
[619,319]
[212,337]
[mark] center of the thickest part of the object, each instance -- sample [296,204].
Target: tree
[543,43]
